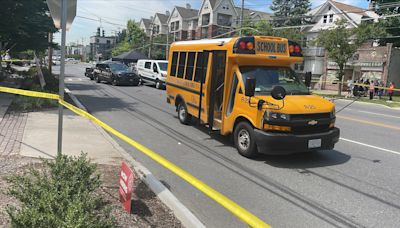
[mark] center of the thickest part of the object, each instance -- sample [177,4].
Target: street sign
[63,13]
[55,12]
[125,186]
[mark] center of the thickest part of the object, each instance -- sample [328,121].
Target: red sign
[125,186]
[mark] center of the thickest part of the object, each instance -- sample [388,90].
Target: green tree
[290,33]
[133,39]
[290,12]
[341,43]
[391,24]
[25,24]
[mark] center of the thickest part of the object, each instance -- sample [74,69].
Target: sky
[112,15]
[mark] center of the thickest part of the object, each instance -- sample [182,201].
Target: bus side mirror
[278,93]
[307,79]
[250,87]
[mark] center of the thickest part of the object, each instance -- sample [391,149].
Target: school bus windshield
[268,77]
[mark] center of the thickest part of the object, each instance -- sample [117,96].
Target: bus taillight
[294,49]
[244,45]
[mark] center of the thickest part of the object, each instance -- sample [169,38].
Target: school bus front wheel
[244,139]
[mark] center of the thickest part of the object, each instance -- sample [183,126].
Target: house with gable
[218,17]
[144,24]
[370,61]
[159,24]
[182,23]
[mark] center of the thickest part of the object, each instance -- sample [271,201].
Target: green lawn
[384,101]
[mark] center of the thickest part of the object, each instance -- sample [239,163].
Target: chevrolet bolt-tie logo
[312,122]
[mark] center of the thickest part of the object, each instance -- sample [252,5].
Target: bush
[31,81]
[60,195]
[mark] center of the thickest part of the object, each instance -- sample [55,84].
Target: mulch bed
[147,209]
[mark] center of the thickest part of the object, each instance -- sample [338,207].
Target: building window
[224,19]
[325,19]
[177,25]
[97,40]
[205,19]
[331,18]
[108,41]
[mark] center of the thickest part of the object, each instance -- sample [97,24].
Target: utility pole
[62,71]
[151,41]
[241,18]
[50,56]
[167,46]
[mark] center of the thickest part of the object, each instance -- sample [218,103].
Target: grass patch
[384,101]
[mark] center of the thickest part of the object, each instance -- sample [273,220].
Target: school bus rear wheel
[183,115]
[245,140]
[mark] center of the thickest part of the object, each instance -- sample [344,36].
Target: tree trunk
[341,66]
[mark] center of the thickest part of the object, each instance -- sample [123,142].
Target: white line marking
[380,114]
[367,145]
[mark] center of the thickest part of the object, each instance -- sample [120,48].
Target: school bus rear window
[181,66]
[173,65]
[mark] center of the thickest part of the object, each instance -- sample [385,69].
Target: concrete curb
[187,218]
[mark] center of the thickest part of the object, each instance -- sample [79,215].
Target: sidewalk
[79,135]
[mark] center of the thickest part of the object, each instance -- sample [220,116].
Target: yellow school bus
[245,86]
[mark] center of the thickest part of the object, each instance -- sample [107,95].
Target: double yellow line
[231,206]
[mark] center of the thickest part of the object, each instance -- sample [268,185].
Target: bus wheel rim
[244,139]
[182,113]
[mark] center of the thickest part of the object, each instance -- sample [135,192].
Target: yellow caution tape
[29,93]
[231,206]
[237,210]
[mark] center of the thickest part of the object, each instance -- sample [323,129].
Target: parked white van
[153,71]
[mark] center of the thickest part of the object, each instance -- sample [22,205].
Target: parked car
[115,73]
[89,72]
[153,71]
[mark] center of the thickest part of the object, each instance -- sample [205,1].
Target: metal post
[62,71]
[241,19]
[151,42]
[167,47]
[50,60]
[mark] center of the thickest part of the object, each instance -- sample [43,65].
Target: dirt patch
[147,209]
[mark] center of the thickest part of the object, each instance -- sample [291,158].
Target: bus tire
[245,140]
[158,84]
[183,115]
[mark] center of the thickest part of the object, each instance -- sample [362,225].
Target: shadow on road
[306,160]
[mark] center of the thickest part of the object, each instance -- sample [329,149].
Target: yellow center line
[368,122]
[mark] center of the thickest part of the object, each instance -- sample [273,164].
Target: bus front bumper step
[286,143]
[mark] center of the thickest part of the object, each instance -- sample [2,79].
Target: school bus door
[216,91]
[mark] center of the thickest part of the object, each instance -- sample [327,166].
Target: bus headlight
[275,116]
[333,113]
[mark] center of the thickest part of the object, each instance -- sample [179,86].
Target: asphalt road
[355,185]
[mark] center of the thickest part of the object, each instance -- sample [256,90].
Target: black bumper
[286,143]
[128,80]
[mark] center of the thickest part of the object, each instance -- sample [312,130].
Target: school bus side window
[181,66]
[173,65]
[232,94]
[190,66]
[199,70]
